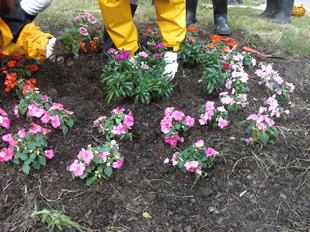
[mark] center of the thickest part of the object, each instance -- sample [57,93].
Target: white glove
[49,52]
[171,66]
[35,7]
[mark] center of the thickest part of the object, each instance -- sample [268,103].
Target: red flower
[192,29]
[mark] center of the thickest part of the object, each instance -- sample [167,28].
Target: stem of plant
[195,182]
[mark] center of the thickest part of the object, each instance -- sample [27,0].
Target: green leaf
[264,138]
[42,160]
[31,146]
[26,169]
[28,161]
[91,180]
[36,165]
[23,156]
[108,171]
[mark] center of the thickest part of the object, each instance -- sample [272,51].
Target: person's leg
[191,8]
[284,12]
[107,41]
[118,22]
[270,11]
[220,17]
[171,19]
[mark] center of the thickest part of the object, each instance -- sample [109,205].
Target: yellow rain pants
[117,17]
[31,41]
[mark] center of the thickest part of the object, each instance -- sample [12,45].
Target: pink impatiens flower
[33,111]
[199,143]
[9,138]
[174,140]
[189,121]
[104,156]
[36,128]
[166,124]
[118,130]
[128,121]
[86,155]
[6,154]
[191,166]
[49,153]
[118,164]
[222,122]
[77,168]
[210,106]
[21,133]
[46,117]
[56,121]
[211,152]
[177,115]
[5,122]
[143,54]
[144,66]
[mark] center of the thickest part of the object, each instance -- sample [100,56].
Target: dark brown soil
[276,179]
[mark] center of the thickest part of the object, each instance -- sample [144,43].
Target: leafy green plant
[139,77]
[191,49]
[54,217]
[27,148]
[194,159]
[96,162]
[116,125]
[73,38]
[261,127]
[34,104]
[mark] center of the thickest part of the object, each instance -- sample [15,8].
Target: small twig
[237,163]
[49,199]
[136,198]
[132,210]
[98,140]
[117,191]
[302,184]
[172,195]
[148,181]
[160,180]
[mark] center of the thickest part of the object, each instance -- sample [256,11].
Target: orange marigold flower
[233,43]
[92,48]
[210,45]
[215,38]
[193,40]
[3,68]
[148,30]
[29,85]
[192,29]
[226,40]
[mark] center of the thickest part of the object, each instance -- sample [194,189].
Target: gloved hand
[56,51]
[171,66]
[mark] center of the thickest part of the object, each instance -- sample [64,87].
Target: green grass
[293,38]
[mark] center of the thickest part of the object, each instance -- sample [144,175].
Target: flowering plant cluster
[274,84]
[34,104]
[173,122]
[215,117]
[214,75]
[96,162]
[262,128]
[154,40]
[191,49]
[18,71]
[116,125]
[194,159]
[139,77]
[4,120]
[96,42]
[274,111]
[73,38]
[27,148]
